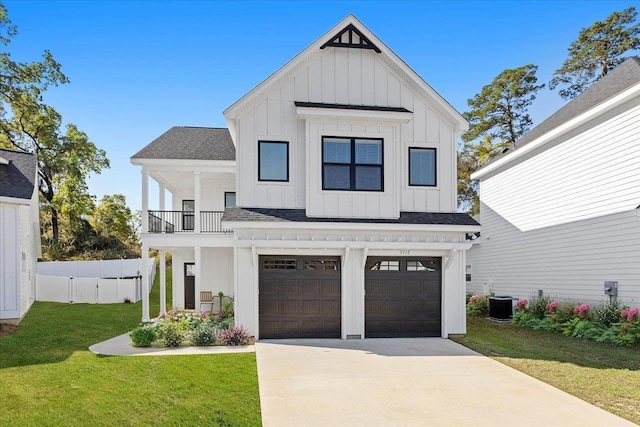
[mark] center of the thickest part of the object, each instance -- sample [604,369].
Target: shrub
[224,323]
[234,335]
[538,306]
[608,313]
[143,335]
[477,305]
[583,311]
[204,334]
[173,333]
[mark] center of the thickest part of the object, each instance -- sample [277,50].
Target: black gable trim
[351,107]
[345,38]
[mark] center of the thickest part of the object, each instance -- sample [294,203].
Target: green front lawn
[49,377]
[605,375]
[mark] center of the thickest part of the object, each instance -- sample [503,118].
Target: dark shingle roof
[351,107]
[192,143]
[299,215]
[616,81]
[18,177]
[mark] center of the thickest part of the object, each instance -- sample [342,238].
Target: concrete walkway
[407,382]
[121,346]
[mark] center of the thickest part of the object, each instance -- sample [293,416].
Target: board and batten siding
[565,219]
[9,261]
[343,76]
[28,264]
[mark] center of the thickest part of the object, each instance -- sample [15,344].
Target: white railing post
[145,201]
[163,283]
[198,278]
[196,191]
[144,270]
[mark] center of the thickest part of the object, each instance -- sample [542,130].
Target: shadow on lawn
[507,340]
[51,332]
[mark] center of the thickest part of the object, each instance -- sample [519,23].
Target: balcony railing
[184,222]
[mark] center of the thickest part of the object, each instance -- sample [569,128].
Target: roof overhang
[349,226]
[337,113]
[14,200]
[184,165]
[543,140]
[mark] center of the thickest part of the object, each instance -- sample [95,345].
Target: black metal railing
[184,221]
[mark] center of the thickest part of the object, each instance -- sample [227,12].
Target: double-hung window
[273,161]
[352,164]
[422,167]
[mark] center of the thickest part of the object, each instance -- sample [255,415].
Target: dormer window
[352,164]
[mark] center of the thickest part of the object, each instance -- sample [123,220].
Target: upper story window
[352,164]
[422,167]
[273,161]
[188,210]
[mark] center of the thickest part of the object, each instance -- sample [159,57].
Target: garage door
[299,297]
[403,297]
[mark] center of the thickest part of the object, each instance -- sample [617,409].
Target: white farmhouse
[559,212]
[20,245]
[327,208]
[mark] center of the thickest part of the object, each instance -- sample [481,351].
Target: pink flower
[582,310]
[473,299]
[624,313]
[521,304]
[632,314]
[551,307]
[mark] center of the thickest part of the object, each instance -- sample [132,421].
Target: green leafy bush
[538,306]
[477,305]
[174,333]
[143,335]
[608,313]
[204,334]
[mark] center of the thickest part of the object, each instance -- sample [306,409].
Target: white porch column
[161,195]
[198,278]
[163,282]
[145,202]
[144,271]
[197,198]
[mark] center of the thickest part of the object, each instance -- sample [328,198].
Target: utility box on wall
[611,288]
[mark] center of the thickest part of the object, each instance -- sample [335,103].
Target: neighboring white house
[342,165]
[19,233]
[559,212]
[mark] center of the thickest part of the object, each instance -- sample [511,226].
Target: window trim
[225,197]
[260,142]
[435,167]
[187,214]
[352,164]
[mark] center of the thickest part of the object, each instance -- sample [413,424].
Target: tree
[500,109]
[497,119]
[113,217]
[598,50]
[66,156]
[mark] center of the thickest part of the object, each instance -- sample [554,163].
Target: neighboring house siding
[26,270]
[564,219]
[9,261]
[344,76]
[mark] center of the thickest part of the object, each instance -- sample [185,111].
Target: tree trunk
[54,224]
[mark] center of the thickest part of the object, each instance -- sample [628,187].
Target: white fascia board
[559,131]
[351,226]
[315,113]
[187,240]
[321,244]
[461,124]
[3,161]
[186,165]
[14,200]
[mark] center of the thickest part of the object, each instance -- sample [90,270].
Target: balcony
[184,222]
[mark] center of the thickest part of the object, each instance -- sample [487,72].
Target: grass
[605,375]
[49,377]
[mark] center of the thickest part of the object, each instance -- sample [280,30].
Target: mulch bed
[7,329]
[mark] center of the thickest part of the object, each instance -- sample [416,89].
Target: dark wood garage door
[299,297]
[403,297]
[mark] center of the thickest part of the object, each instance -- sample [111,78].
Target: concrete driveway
[406,382]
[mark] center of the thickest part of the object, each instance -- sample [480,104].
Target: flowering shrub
[607,322]
[551,307]
[521,305]
[234,335]
[583,311]
[177,327]
[477,305]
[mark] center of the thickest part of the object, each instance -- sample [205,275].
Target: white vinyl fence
[73,289]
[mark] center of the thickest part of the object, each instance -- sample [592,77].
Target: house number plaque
[405,252]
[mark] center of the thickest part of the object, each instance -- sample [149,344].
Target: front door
[190,286]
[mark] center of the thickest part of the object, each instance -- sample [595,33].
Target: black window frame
[188,217]
[260,165]
[353,165]
[435,166]
[225,197]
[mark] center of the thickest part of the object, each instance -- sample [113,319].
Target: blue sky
[138,68]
